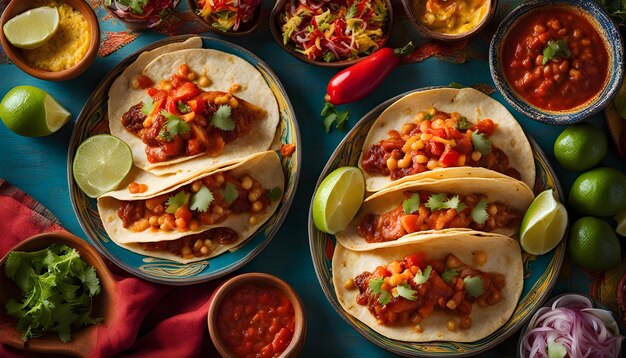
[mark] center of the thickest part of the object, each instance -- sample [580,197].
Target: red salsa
[256,321]
[555,59]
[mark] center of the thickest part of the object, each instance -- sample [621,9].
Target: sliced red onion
[574,324]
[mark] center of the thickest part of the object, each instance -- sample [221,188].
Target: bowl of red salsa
[256,315]
[557,62]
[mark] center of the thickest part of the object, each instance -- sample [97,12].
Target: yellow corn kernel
[418,145]
[451,325]
[204,81]
[246,182]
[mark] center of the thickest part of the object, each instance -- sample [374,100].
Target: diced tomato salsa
[436,139]
[577,69]
[256,321]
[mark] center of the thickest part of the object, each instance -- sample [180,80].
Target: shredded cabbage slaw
[227,15]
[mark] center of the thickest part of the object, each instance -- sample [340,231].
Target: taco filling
[403,293]
[423,210]
[436,139]
[182,120]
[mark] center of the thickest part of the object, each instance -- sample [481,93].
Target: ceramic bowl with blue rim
[92,120]
[541,272]
[562,109]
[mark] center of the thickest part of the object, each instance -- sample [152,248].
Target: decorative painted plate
[541,273]
[93,120]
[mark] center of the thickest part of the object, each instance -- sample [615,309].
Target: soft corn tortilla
[223,71]
[264,167]
[474,105]
[511,192]
[503,256]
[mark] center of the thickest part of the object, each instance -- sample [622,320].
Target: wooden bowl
[275,27]
[261,279]
[428,33]
[15,8]
[83,340]
[245,29]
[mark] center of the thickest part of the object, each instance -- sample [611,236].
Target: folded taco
[200,218]
[425,208]
[180,101]
[457,287]
[446,129]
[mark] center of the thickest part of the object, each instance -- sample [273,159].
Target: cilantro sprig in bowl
[141,14]
[54,290]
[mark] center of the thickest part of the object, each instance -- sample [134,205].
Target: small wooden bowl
[15,8]
[428,33]
[275,27]
[245,29]
[261,279]
[83,340]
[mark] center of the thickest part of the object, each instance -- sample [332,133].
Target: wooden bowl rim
[256,21]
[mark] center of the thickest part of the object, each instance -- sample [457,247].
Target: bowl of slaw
[227,17]
[333,33]
[140,15]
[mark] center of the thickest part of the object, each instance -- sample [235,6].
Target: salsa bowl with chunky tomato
[557,62]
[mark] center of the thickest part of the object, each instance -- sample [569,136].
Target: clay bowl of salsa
[557,62]
[256,314]
[68,53]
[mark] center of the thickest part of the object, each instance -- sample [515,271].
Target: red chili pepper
[358,80]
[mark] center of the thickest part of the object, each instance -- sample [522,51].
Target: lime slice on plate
[338,198]
[101,163]
[32,28]
[543,225]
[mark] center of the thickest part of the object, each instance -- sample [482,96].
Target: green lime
[337,199]
[32,28]
[593,244]
[600,192]
[31,112]
[621,223]
[543,225]
[580,147]
[101,163]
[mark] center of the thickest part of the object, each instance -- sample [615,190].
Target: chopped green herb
[406,291]
[201,200]
[481,143]
[173,126]
[422,277]
[351,11]
[479,212]
[464,124]
[222,118]
[473,286]
[147,107]
[449,274]
[441,202]
[230,193]
[183,107]
[274,193]
[375,286]
[332,115]
[136,6]
[556,50]
[328,57]
[411,204]
[428,117]
[176,201]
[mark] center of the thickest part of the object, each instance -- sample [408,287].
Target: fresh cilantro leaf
[176,201]
[332,115]
[481,143]
[183,107]
[328,121]
[406,291]
[473,286]
[274,193]
[411,204]
[173,126]
[230,193]
[556,350]
[201,200]
[556,50]
[147,107]
[351,11]
[375,286]
[449,274]
[423,276]
[90,280]
[428,117]
[342,119]
[327,107]
[328,57]
[464,124]
[479,212]
[439,202]
[222,118]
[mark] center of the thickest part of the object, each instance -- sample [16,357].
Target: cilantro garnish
[479,212]
[176,201]
[351,11]
[428,117]
[201,200]
[57,286]
[411,204]
[473,285]
[481,143]
[464,124]
[555,50]
[329,57]
[449,274]
[230,193]
[332,115]
[274,193]
[222,118]
[375,286]
[173,126]
[147,107]
[406,291]
[183,107]
[423,276]
[439,202]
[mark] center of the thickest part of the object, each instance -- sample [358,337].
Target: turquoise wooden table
[38,165]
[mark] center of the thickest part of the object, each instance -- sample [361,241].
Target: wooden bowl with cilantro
[68,272]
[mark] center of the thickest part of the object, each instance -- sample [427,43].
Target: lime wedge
[338,198]
[101,163]
[621,223]
[32,28]
[543,225]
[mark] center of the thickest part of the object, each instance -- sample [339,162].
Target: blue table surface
[38,165]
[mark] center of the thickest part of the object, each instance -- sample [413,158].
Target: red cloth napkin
[151,320]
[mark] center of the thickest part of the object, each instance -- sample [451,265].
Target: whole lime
[580,147]
[600,192]
[593,244]
[32,112]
